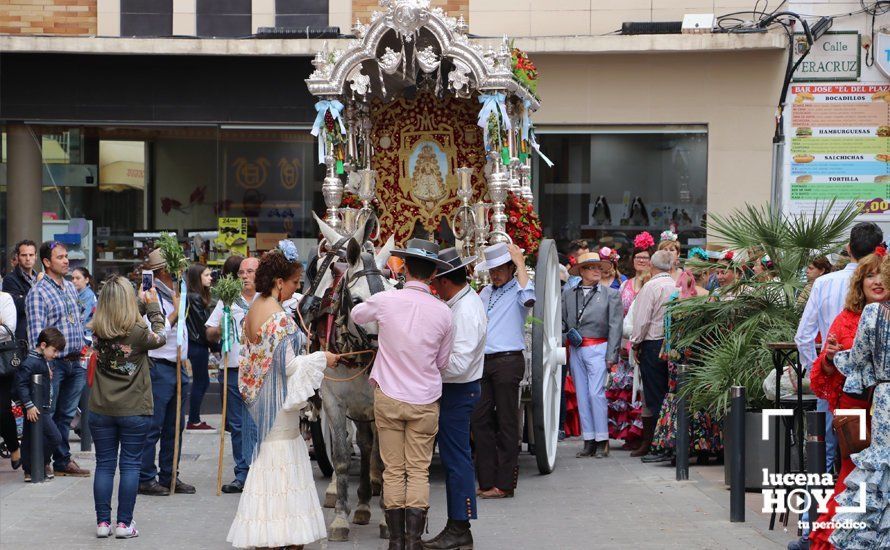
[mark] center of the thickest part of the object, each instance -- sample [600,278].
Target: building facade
[169,115]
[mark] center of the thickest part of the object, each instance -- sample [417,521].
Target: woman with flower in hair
[612,278]
[625,412]
[670,241]
[279,506]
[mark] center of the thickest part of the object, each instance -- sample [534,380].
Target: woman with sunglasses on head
[592,318]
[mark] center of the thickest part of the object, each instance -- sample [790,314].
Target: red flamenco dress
[831,388]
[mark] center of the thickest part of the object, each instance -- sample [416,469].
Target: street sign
[834,57]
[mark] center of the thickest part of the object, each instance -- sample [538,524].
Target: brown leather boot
[646,440]
[395,521]
[415,521]
[456,535]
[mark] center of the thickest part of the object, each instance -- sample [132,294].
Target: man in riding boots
[415,338]
[495,423]
[460,393]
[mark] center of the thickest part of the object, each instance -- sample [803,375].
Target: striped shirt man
[825,303]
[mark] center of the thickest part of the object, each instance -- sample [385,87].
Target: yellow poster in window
[233,236]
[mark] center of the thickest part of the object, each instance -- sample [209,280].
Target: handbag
[847,430]
[12,351]
[574,337]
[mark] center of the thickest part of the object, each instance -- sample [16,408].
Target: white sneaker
[123,531]
[103,530]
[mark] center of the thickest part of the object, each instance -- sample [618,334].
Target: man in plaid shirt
[53,303]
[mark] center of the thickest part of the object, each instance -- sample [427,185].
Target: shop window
[607,187]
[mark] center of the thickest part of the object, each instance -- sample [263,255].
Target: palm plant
[728,337]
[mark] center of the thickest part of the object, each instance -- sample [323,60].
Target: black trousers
[495,422]
[46,428]
[8,431]
[654,372]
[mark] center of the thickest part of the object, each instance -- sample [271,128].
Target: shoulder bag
[12,351]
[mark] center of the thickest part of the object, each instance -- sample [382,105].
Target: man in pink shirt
[415,339]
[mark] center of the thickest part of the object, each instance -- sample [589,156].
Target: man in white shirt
[826,301]
[155,479]
[460,392]
[245,268]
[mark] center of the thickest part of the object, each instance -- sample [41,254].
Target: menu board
[838,147]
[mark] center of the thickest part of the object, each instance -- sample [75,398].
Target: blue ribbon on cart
[493,104]
[324,106]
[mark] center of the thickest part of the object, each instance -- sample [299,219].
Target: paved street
[614,503]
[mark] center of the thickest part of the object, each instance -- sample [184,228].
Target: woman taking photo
[198,281]
[121,402]
[592,318]
[86,298]
[826,382]
[279,505]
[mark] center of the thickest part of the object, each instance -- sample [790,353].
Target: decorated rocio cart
[430,133]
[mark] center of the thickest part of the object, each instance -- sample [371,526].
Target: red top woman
[866,287]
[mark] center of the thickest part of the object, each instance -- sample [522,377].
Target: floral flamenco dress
[865,365]
[625,422]
[279,505]
[831,388]
[705,432]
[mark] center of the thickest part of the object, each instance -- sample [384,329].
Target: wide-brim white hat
[495,255]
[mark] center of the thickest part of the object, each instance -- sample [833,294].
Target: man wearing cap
[460,393]
[155,479]
[415,338]
[495,423]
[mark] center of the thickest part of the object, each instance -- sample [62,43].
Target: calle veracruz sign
[835,57]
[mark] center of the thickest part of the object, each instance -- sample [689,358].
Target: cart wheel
[548,356]
[320,448]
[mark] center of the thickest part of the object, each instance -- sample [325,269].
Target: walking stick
[222,423]
[178,423]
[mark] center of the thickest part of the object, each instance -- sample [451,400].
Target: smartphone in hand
[148,280]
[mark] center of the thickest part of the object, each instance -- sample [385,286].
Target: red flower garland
[523,225]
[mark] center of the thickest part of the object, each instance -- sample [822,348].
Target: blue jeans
[109,434]
[235,412]
[198,357]
[163,422]
[455,410]
[68,382]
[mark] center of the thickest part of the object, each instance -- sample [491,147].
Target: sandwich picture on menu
[803,159]
[804,131]
[806,178]
[883,131]
[883,158]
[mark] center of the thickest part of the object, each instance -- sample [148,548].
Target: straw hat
[588,259]
[155,260]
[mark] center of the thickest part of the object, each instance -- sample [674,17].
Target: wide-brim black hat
[452,257]
[422,249]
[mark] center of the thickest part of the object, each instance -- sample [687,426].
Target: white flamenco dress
[279,505]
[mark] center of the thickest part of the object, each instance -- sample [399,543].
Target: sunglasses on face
[591,267]
[641,258]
